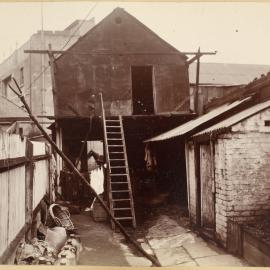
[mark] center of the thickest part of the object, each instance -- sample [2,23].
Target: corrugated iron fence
[24,180]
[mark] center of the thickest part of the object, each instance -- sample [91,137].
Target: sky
[240,32]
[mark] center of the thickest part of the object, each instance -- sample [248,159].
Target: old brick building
[228,171]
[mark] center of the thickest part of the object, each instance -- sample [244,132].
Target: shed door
[207,201]
[142,90]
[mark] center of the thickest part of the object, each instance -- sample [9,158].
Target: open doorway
[142,89]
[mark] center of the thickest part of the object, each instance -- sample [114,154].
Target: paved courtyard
[172,244]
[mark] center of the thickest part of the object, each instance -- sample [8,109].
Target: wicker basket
[60,217]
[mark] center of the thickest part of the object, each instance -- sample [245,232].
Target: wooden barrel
[99,214]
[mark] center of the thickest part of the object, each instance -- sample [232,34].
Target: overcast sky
[240,32]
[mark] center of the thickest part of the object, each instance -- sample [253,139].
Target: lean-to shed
[228,171]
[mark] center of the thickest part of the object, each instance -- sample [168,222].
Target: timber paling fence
[24,181]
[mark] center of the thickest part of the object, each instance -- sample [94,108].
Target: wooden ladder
[119,189]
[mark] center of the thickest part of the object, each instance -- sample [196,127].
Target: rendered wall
[101,62]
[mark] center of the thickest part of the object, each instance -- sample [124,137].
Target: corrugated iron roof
[233,120]
[226,74]
[191,125]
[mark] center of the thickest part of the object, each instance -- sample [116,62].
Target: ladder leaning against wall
[119,189]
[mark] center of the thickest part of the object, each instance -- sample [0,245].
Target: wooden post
[58,129]
[51,61]
[196,92]
[198,183]
[29,175]
[59,161]
[51,176]
[188,176]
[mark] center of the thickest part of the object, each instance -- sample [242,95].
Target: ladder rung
[120,200]
[119,182]
[115,145]
[118,209]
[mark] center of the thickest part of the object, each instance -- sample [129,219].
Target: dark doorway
[142,90]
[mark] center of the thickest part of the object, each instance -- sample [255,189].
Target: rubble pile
[55,244]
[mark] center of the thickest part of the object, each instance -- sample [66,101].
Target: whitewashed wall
[12,190]
[13,187]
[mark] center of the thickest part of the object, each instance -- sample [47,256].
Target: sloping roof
[120,11]
[226,74]
[227,123]
[198,122]
[10,110]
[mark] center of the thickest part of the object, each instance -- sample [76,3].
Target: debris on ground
[56,237]
[165,235]
[177,214]
[55,245]
[165,227]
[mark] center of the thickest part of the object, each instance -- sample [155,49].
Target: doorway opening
[142,89]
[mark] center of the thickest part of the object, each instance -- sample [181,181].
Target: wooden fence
[24,180]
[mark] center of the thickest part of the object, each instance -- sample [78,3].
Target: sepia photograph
[135,134]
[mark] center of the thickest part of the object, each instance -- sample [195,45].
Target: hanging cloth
[149,158]
[97,180]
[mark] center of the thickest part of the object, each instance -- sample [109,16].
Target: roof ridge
[119,9]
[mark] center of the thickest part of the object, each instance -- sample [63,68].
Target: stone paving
[172,244]
[175,246]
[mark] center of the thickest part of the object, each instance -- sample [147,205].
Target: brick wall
[242,172]
[221,189]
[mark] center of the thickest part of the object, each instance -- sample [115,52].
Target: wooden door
[207,198]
